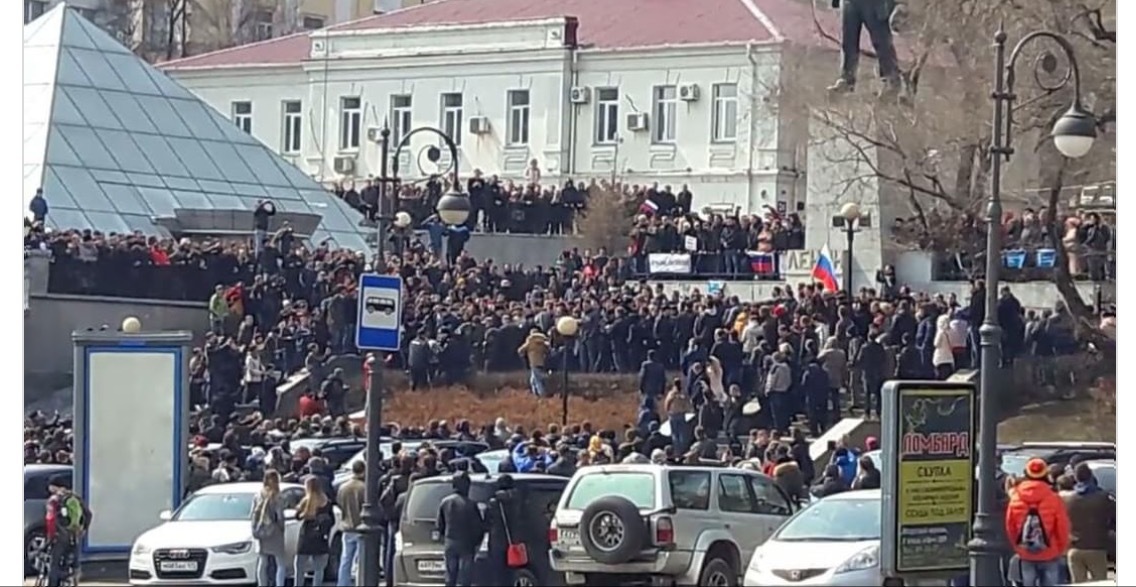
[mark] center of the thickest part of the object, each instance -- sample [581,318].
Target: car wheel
[33,542]
[524,578]
[612,531]
[718,573]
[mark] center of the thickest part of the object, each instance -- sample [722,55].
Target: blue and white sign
[380,312]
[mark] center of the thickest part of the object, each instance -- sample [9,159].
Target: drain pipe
[574,123]
[750,54]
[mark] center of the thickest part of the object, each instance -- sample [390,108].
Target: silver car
[658,524]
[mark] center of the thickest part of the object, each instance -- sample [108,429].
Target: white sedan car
[208,540]
[835,541]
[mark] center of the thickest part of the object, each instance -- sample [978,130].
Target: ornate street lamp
[1073,135]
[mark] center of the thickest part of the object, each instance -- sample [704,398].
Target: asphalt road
[99,575]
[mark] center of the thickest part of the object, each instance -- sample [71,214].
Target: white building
[673,91]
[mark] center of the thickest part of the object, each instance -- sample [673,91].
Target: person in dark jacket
[652,376]
[461,527]
[869,475]
[815,386]
[500,516]
[565,463]
[831,483]
[799,450]
[316,521]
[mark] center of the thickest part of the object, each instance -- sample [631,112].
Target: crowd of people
[1086,236]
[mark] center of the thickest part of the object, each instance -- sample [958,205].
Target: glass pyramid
[116,144]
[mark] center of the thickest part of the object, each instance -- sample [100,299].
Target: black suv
[419,559]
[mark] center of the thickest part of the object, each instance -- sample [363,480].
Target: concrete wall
[527,249]
[51,319]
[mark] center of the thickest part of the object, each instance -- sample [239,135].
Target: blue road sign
[380,313]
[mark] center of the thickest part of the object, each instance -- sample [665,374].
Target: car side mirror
[165,515]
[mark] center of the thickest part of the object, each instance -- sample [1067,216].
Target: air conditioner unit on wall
[478,125]
[637,121]
[581,95]
[345,165]
[688,92]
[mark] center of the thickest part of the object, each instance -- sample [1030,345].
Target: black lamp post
[450,210]
[850,212]
[567,327]
[1073,135]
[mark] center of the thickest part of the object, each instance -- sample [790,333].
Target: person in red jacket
[1038,526]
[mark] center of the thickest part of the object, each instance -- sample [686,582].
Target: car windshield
[1015,463]
[834,520]
[637,487]
[492,459]
[212,507]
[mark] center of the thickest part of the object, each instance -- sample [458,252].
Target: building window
[263,29]
[401,116]
[350,122]
[452,117]
[518,117]
[607,115]
[665,108]
[242,116]
[725,123]
[33,9]
[312,23]
[293,127]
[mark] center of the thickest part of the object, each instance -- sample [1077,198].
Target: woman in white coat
[943,358]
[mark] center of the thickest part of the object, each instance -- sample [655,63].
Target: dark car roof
[518,478]
[45,469]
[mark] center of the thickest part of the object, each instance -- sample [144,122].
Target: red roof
[605,24]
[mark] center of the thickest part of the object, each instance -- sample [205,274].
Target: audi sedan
[208,540]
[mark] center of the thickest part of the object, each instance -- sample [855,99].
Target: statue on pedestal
[874,15]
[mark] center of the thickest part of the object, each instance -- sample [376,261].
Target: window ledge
[663,147]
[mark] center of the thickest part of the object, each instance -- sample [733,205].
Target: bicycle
[42,563]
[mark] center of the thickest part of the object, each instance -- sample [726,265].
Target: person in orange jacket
[1038,526]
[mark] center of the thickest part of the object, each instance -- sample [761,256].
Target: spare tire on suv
[612,530]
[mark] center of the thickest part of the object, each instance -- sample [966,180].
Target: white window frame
[241,111]
[263,26]
[452,117]
[724,117]
[518,107]
[292,133]
[401,116]
[607,117]
[664,114]
[350,122]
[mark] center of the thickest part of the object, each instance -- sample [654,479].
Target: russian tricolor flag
[648,207]
[824,271]
[761,263]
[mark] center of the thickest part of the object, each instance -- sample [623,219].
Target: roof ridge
[401,10]
[181,60]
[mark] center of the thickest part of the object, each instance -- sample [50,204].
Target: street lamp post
[371,528]
[1073,135]
[567,327]
[850,211]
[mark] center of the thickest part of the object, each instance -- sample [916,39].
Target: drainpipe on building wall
[573,123]
[752,121]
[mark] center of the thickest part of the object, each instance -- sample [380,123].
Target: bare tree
[933,149]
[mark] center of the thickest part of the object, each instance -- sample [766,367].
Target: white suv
[663,525]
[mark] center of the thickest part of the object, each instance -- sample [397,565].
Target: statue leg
[851,19]
[876,19]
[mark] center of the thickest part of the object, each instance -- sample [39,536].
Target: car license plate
[178,566]
[437,567]
[570,537]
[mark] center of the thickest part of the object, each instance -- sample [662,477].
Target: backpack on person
[1032,537]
